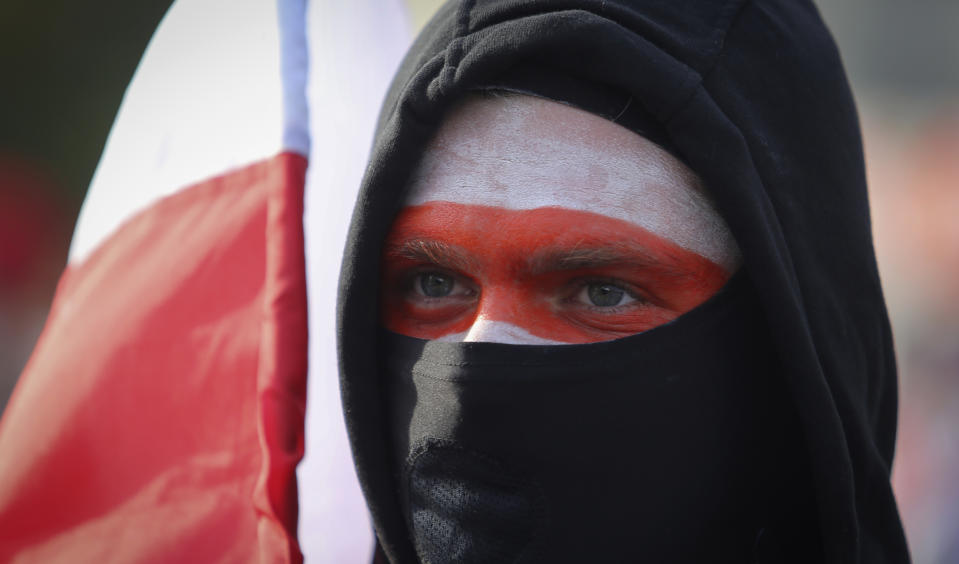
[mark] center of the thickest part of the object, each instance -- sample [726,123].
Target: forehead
[522,152]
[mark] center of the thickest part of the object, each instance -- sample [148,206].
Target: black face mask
[667,446]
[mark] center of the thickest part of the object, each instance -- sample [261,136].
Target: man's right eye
[435,285]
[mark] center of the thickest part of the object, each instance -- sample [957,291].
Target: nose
[486,330]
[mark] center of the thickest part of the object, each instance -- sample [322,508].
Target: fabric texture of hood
[750,94]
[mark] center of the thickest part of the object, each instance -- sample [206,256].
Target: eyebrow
[435,252]
[545,260]
[552,259]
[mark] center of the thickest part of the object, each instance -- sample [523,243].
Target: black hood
[753,97]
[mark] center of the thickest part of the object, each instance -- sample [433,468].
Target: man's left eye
[604,294]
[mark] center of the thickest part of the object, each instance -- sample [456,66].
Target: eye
[435,285]
[604,294]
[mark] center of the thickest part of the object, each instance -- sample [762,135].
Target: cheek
[400,316]
[603,326]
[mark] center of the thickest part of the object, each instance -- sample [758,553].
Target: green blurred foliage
[65,66]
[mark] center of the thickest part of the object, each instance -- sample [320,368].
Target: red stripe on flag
[281,382]
[160,417]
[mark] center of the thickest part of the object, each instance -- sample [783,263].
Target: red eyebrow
[618,253]
[432,251]
[553,258]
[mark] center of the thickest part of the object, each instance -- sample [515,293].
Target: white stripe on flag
[166,394]
[207,98]
[355,48]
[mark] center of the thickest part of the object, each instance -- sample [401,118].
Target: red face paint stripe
[529,269]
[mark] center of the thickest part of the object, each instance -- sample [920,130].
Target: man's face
[531,222]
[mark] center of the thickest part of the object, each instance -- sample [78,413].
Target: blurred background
[65,65]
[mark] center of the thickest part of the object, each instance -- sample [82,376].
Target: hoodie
[752,96]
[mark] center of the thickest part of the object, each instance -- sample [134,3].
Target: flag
[355,48]
[161,415]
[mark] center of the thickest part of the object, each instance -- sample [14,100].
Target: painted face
[531,222]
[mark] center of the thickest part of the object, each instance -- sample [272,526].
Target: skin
[532,222]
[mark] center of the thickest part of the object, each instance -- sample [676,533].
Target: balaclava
[517,206]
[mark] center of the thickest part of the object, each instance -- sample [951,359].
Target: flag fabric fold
[150,424]
[160,418]
[165,410]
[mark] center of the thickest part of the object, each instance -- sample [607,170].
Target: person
[609,293]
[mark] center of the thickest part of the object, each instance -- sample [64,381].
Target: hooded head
[758,420]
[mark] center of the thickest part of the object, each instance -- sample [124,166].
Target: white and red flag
[165,408]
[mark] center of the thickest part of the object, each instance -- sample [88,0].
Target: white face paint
[519,152]
[488,331]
